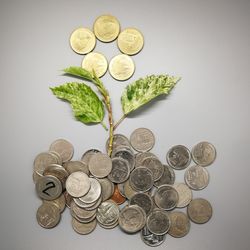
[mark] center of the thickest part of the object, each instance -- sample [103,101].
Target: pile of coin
[132,188]
[107,29]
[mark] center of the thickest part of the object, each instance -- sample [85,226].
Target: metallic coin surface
[100,165]
[121,189]
[68,198]
[48,187]
[204,153]
[132,219]
[180,224]
[83,228]
[60,202]
[155,166]
[88,206]
[158,222]
[59,159]
[196,177]
[178,157]
[130,41]
[82,40]
[142,139]
[140,157]
[151,239]
[142,200]
[168,177]
[128,190]
[141,179]
[97,62]
[48,215]
[82,220]
[36,176]
[80,212]
[64,148]
[94,192]
[125,154]
[106,28]
[118,140]
[74,166]
[199,210]
[121,67]
[117,197]
[88,154]
[185,194]
[111,226]
[166,197]
[108,188]
[120,170]
[77,184]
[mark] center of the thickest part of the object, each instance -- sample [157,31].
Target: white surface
[207,43]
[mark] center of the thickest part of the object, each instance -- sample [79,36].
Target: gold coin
[121,67]
[130,41]
[106,28]
[97,62]
[82,40]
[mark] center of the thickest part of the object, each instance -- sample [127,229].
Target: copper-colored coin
[117,197]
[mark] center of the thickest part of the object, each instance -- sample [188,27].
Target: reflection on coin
[82,40]
[140,157]
[125,154]
[74,166]
[184,193]
[108,188]
[83,228]
[48,215]
[180,224]
[142,200]
[155,166]
[97,62]
[204,153]
[117,197]
[94,192]
[80,212]
[120,170]
[59,159]
[151,239]
[60,202]
[106,28]
[118,140]
[199,210]
[130,41]
[142,139]
[196,177]
[121,67]
[178,157]
[88,154]
[128,190]
[168,177]
[88,206]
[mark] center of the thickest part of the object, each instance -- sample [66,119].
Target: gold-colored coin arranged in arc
[130,41]
[97,62]
[106,28]
[121,67]
[82,40]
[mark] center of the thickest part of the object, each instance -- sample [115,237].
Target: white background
[207,43]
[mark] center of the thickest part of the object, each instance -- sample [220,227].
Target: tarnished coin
[108,188]
[118,140]
[120,170]
[166,197]
[83,228]
[74,166]
[130,41]
[106,28]
[141,179]
[151,239]
[48,187]
[142,139]
[64,148]
[121,189]
[60,202]
[132,219]
[142,200]
[185,194]
[77,184]
[178,157]
[155,166]
[82,40]
[94,192]
[196,177]
[140,157]
[204,153]
[180,224]
[199,210]
[128,190]
[80,212]
[127,155]
[168,177]
[158,222]
[117,197]
[48,215]
[88,154]
[97,62]
[121,67]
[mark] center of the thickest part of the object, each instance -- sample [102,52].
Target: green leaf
[80,72]
[86,105]
[144,90]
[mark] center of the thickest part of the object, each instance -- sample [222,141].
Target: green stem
[119,121]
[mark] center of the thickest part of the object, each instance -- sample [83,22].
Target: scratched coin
[143,200]
[168,177]
[74,166]
[94,192]
[185,194]
[151,239]
[83,228]
[155,166]
[88,154]
[120,170]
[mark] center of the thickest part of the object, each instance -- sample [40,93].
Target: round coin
[74,166]
[128,190]
[140,157]
[125,154]
[185,194]
[142,200]
[80,212]
[60,202]
[94,192]
[121,67]
[168,177]
[155,166]
[117,197]
[83,228]
[130,41]
[199,210]
[120,170]
[108,188]
[118,140]
[88,154]
[151,239]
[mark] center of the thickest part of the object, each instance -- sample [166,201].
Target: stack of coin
[132,188]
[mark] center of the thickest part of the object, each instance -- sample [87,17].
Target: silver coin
[60,202]
[128,190]
[36,176]
[121,189]
[142,200]
[132,219]
[59,159]
[204,153]
[118,140]
[151,239]
[74,166]
[108,188]
[80,212]
[120,170]
[141,179]
[68,198]
[64,148]
[94,192]
[95,205]
[48,187]
[88,206]
[83,228]
[127,155]
[100,165]
[168,177]
[196,177]
[178,157]
[142,139]
[83,220]
[77,184]
[140,157]
[111,226]
[166,197]
[88,154]
[158,222]
[185,194]
[155,166]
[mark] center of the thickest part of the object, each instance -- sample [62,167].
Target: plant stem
[119,121]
